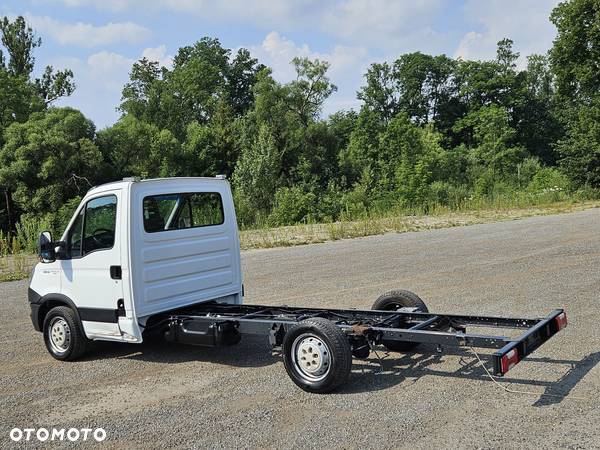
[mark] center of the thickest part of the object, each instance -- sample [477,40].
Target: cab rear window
[183,210]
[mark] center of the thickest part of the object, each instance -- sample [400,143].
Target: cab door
[91,268]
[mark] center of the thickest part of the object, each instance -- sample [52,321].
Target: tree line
[431,130]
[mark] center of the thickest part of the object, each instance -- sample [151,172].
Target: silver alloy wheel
[312,357]
[59,335]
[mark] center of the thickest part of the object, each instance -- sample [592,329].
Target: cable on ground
[516,391]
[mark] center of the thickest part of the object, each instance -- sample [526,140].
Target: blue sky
[100,39]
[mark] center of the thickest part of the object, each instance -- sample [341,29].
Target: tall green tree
[310,89]
[21,96]
[360,156]
[576,51]
[132,147]
[536,113]
[49,159]
[406,160]
[579,149]
[256,177]
[425,84]
[211,149]
[575,59]
[20,41]
[203,77]
[380,94]
[291,113]
[495,139]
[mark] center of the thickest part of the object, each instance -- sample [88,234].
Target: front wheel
[64,337]
[317,355]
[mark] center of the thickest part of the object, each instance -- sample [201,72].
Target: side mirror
[46,251]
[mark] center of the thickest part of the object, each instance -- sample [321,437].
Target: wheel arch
[49,301]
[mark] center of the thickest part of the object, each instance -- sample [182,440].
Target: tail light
[561,321]
[510,360]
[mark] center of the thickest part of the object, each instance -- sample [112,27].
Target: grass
[16,262]
[437,218]
[16,266]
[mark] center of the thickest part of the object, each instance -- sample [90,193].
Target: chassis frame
[214,324]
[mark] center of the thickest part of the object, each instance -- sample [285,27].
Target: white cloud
[99,78]
[383,23]
[350,34]
[267,13]
[88,35]
[467,44]
[346,66]
[277,52]
[110,5]
[524,21]
[109,70]
[261,12]
[384,26]
[158,54]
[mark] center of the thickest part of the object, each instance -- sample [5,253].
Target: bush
[527,170]
[356,203]
[586,192]
[447,194]
[292,205]
[330,204]
[28,230]
[549,179]
[59,220]
[484,185]
[246,215]
[256,175]
[29,227]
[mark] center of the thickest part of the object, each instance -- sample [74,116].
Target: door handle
[115,272]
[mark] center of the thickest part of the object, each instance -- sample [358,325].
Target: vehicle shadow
[396,368]
[250,352]
[565,384]
[368,375]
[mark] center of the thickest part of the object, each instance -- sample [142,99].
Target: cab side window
[99,224]
[94,227]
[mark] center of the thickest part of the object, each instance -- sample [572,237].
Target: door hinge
[115,272]
[120,308]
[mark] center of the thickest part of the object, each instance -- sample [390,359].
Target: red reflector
[510,360]
[561,321]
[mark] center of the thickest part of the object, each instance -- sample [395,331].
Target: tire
[390,301]
[63,335]
[327,352]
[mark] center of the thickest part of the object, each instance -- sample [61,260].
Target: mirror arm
[60,249]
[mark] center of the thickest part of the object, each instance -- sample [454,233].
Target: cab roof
[130,180]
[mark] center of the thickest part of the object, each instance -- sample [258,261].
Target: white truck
[161,257]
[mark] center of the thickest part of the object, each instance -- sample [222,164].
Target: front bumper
[35,315]
[34,304]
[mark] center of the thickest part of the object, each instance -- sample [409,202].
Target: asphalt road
[160,395]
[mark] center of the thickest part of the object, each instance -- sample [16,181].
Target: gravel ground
[159,395]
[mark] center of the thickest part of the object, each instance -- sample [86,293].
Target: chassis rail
[213,324]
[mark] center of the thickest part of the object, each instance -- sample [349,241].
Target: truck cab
[134,249]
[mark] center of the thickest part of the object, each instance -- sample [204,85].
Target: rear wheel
[64,337]
[317,355]
[393,300]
